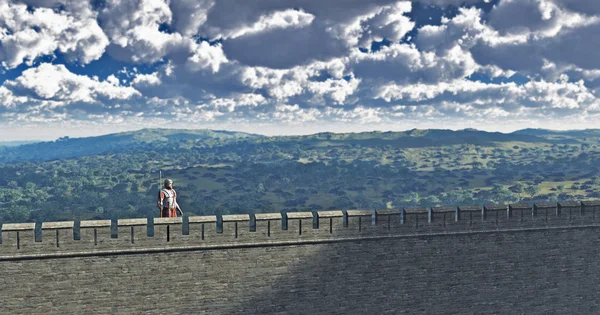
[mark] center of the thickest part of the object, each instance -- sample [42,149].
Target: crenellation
[18,237]
[300,224]
[495,215]
[522,213]
[360,221]
[55,235]
[331,223]
[266,223]
[469,217]
[197,227]
[237,227]
[217,232]
[574,212]
[443,214]
[96,235]
[416,217]
[389,219]
[167,231]
[133,232]
[547,213]
[591,208]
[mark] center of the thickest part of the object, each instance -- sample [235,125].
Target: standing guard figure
[167,201]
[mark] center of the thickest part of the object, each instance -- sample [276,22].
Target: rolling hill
[132,141]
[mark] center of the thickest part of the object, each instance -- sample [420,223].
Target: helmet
[168,181]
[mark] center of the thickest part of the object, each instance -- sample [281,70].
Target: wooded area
[238,173]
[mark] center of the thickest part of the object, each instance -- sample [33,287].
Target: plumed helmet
[168,181]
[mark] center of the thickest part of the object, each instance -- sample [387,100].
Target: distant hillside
[118,175]
[175,141]
[416,138]
[16,143]
[570,133]
[132,141]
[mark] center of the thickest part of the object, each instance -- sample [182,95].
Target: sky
[82,68]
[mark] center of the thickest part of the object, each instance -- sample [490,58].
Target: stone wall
[494,259]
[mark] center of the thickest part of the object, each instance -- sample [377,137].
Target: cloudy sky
[80,68]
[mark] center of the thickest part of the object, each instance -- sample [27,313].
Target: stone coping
[569,204]
[299,215]
[411,210]
[591,203]
[388,212]
[203,219]
[519,206]
[443,209]
[469,208]
[267,216]
[236,217]
[10,227]
[495,207]
[545,205]
[132,222]
[165,221]
[58,225]
[330,214]
[359,213]
[94,223]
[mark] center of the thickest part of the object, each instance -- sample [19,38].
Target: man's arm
[179,209]
[177,204]
[161,196]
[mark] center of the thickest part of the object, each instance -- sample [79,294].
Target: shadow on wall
[545,271]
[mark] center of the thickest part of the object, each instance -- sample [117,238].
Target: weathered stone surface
[507,272]
[540,262]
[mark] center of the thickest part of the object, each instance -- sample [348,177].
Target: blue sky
[77,68]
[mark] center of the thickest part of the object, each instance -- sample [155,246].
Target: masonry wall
[343,262]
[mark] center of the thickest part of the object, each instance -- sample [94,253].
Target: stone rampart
[500,259]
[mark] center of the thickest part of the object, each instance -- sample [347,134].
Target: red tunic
[167,212]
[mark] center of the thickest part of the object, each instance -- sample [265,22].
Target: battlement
[93,237]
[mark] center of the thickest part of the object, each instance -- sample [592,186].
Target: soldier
[167,201]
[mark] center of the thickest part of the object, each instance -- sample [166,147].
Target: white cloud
[277,20]
[189,15]
[57,83]
[585,7]
[540,18]
[9,101]
[133,29]
[404,64]
[538,98]
[24,36]
[326,33]
[236,100]
[303,80]
[297,62]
